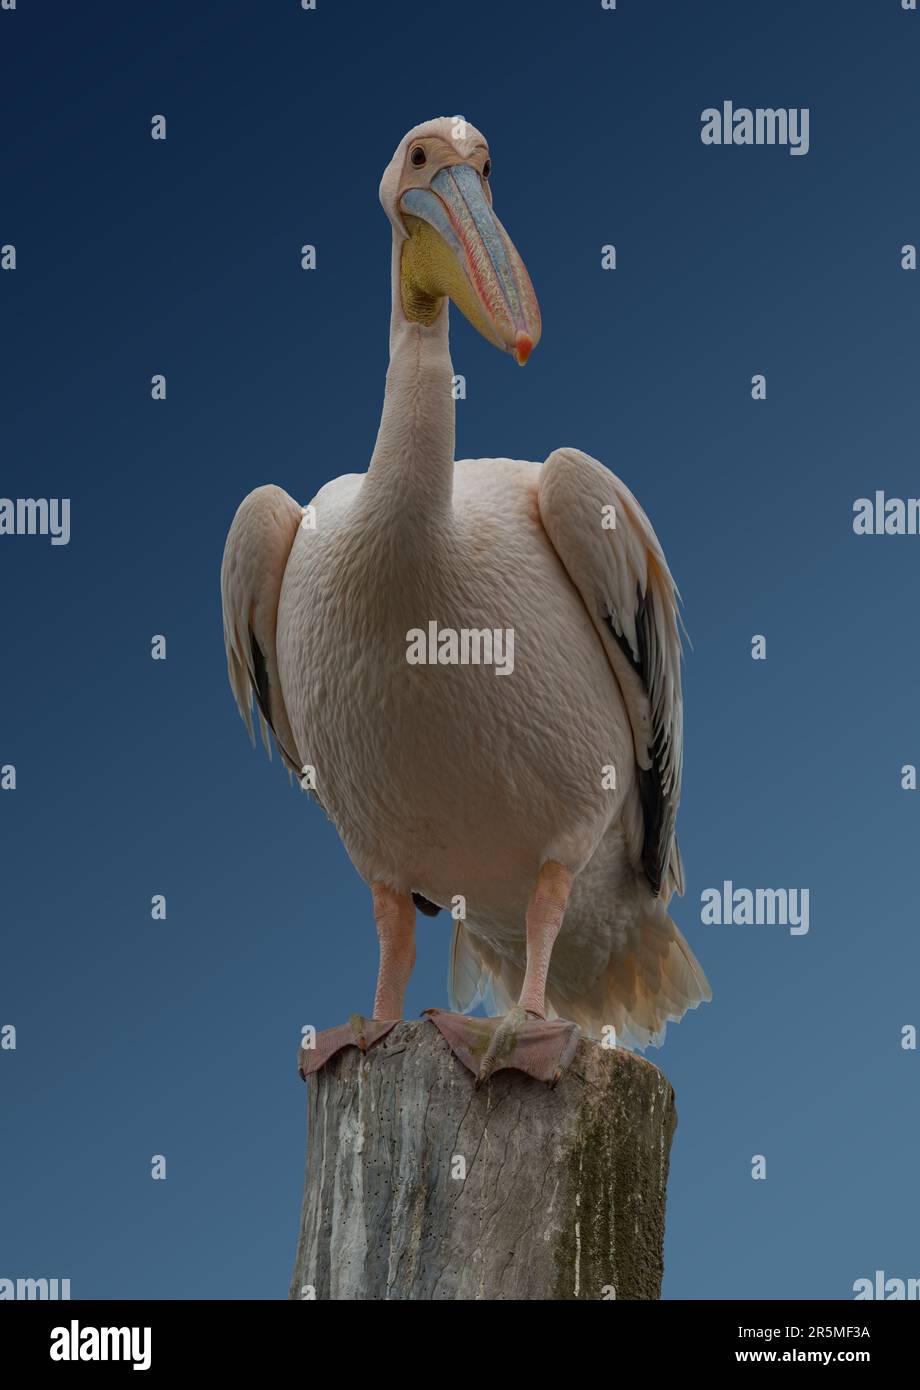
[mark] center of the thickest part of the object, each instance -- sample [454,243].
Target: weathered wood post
[419,1187]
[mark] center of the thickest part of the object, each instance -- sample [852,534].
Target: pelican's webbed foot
[357,1032]
[542,1048]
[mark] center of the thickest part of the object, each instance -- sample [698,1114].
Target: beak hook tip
[523,347]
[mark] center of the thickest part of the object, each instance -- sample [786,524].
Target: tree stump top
[419,1187]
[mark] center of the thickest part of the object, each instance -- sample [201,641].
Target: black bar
[237,1338]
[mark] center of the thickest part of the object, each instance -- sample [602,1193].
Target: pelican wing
[255,556]
[612,555]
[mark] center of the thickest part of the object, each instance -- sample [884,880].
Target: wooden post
[419,1187]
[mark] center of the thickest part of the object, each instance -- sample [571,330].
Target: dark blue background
[135,777]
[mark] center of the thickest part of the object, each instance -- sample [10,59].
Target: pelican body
[534,796]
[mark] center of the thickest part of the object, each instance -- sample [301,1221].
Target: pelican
[534,798]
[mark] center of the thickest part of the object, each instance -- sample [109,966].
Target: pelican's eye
[487,169]
[418,157]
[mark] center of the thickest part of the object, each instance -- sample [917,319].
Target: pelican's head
[436,194]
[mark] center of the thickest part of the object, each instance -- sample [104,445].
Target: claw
[503,1043]
[358,1032]
[542,1048]
[568,1052]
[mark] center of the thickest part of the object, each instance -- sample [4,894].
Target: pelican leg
[524,1039]
[394,914]
[545,912]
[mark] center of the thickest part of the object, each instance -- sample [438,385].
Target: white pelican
[543,800]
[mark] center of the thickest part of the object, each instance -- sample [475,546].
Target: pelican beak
[457,247]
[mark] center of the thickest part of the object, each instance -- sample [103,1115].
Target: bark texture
[419,1187]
